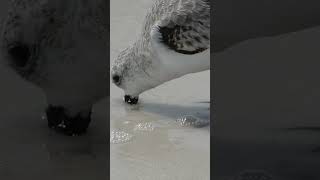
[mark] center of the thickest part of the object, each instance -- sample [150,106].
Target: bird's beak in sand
[61,121]
[131,99]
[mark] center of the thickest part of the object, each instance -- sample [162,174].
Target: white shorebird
[60,46]
[161,53]
[175,41]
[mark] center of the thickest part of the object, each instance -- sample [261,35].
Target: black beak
[61,122]
[130,99]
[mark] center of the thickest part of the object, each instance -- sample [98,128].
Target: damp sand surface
[267,118]
[30,150]
[159,138]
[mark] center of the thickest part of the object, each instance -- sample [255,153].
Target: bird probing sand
[175,41]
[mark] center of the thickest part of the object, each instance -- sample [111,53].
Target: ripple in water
[191,121]
[120,137]
[144,127]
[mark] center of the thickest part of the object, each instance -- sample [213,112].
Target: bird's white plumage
[175,41]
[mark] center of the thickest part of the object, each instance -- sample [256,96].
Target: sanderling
[60,46]
[175,41]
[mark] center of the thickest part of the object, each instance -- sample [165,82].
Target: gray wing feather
[186,29]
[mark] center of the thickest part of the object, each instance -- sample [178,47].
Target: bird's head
[135,71]
[60,46]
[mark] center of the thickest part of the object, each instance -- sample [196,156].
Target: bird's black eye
[116,79]
[51,20]
[20,54]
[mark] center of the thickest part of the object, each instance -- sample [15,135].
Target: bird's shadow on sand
[174,111]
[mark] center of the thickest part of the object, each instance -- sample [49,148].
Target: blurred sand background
[267,94]
[30,150]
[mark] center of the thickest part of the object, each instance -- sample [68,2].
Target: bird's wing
[185,29]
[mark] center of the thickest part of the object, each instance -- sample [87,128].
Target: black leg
[77,125]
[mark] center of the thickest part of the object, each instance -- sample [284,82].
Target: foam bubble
[144,127]
[119,137]
[189,120]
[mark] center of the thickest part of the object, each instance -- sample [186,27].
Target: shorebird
[175,41]
[176,34]
[60,46]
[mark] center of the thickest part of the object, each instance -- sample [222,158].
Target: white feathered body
[175,40]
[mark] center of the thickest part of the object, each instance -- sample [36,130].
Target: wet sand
[159,148]
[267,99]
[30,150]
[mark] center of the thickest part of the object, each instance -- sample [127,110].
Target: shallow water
[160,147]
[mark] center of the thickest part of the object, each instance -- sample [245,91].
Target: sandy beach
[267,100]
[30,150]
